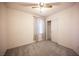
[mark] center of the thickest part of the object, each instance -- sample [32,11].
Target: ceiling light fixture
[41,4]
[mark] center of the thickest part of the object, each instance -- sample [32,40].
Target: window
[40,26]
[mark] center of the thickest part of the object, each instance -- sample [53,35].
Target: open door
[48,30]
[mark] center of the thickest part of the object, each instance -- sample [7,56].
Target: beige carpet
[42,48]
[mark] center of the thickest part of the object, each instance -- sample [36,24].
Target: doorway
[48,30]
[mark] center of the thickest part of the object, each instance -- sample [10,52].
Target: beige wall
[16,28]
[20,28]
[65,27]
[3,29]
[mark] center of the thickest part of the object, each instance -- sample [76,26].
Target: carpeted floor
[42,48]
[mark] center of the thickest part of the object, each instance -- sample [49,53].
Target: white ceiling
[23,6]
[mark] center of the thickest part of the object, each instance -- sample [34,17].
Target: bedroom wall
[65,27]
[3,29]
[20,28]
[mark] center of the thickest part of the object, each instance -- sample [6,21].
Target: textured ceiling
[27,7]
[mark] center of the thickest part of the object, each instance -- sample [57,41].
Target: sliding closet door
[39,29]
